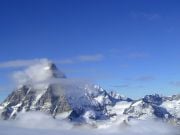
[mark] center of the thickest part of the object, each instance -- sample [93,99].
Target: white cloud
[18,63]
[39,120]
[74,60]
[33,123]
[36,74]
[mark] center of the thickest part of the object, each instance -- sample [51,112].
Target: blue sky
[130,46]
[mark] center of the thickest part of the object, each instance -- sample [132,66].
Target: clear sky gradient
[130,46]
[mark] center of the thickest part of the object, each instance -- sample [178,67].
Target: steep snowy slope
[172,105]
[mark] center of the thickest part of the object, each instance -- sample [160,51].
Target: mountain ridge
[55,95]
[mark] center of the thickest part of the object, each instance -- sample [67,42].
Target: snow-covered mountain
[49,90]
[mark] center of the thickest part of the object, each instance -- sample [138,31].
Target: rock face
[38,95]
[155,107]
[147,107]
[83,102]
[26,99]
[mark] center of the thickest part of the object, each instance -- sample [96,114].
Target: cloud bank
[34,123]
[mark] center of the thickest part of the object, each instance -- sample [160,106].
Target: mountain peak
[55,71]
[48,66]
[40,72]
[153,99]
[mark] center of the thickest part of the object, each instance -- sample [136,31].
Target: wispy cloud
[18,63]
[145,15]
[128,85]
[74,60]
[175,83]
[65,61]
[121,86]
[137,55]
[124,65]
[145,78]
[88,58]
[151,16]
[131,54]
[81,59]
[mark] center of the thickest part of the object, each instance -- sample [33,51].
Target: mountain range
[82,102]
